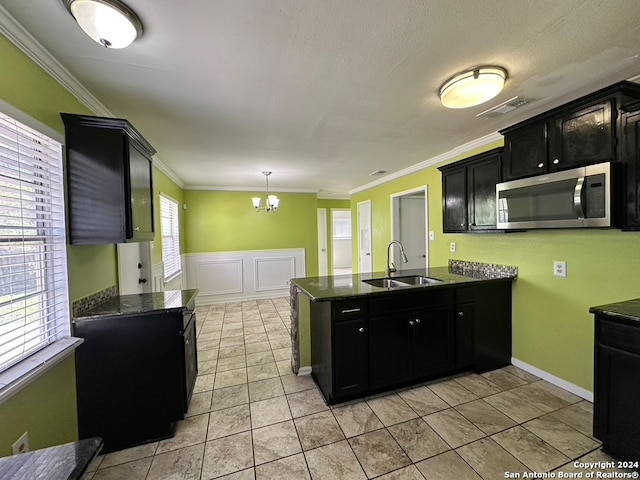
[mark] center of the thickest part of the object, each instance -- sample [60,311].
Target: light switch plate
[560,269]
[432,235]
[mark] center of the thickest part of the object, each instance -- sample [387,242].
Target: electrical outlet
[560,269]
[21,445]
[452,247]
[432,235]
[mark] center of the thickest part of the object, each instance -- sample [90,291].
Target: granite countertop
[329,288]
[143,303]
[629,309]
[62,462]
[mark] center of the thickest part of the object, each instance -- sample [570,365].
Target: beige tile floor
[250,418]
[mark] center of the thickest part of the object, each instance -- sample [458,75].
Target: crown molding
[27,44]
[164,168]
[333,197]
[433,161]
[33,49]
[251,189]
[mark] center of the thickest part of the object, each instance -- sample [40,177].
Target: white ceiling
[323,92]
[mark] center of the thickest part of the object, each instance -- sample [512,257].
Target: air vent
[376,173]
[505,107]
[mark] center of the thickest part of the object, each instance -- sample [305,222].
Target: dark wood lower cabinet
[371,344]
[617,387]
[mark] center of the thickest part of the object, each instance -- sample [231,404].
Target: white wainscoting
[245,275]
[176,283]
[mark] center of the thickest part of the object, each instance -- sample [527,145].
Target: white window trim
[19,376]
[179,272]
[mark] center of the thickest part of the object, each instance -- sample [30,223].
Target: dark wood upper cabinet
[469,192]
[109,181]
[585,136]
[628,182]
[583,132]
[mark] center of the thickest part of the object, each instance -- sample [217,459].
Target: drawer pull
[361,329]
[461,314]
[350,310]
[417,320]
[412,323]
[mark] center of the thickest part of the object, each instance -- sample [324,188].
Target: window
[34,303]
[170,227]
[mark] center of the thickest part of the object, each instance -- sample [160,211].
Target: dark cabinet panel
[109,181]
[482,177]
[464,315]
[617,389]
[469,192]
[582,137]
[350,352]
[432,341]
[389,356]
[525,152]
[454,191]
[628,184]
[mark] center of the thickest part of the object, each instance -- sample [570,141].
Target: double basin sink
[402,282]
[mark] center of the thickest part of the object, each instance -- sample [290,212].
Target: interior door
[364,237]
[323,257]
[134,268]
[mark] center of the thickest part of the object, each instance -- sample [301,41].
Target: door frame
[358,205]
[393,198]
[323,258]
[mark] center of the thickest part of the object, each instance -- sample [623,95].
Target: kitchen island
[366,339]
[136,369]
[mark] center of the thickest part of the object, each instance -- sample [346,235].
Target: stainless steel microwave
[575,198]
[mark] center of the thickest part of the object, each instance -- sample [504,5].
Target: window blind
[34,303]
[170,226]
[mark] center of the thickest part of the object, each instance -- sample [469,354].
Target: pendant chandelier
[271,201]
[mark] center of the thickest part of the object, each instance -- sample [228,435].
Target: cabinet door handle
[540,165]
[350,310]
[556,161]
[461,314]
[417,320]
[361,330]
[412,323]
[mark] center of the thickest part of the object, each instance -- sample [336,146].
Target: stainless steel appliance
[575,198]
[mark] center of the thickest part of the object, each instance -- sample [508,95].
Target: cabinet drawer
[620,336]
[349,309]
[411,301]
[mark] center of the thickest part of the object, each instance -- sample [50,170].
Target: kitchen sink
[400,282]
[386,283]
[418,280]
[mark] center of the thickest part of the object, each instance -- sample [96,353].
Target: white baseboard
[570,387]
[304,371]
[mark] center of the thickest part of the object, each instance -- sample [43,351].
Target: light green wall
[552,329]
[220,221]
[163,184]
[46,409]
[50,400]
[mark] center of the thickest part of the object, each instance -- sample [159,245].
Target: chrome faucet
[390,266]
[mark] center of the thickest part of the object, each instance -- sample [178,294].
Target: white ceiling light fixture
[109,22]
[472,87]
[272,201]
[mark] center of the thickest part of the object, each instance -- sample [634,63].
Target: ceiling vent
[376,173]
[505,107]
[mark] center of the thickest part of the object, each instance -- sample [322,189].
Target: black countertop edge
[629,309]
[143,303]
[320,289]
[62,462]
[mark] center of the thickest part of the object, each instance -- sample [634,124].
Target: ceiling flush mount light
[272,201]
[473,87]
[109,22]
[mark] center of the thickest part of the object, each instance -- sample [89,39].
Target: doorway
[323,255]
[134,268]
[365,262]
[341,242]
[410,224]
